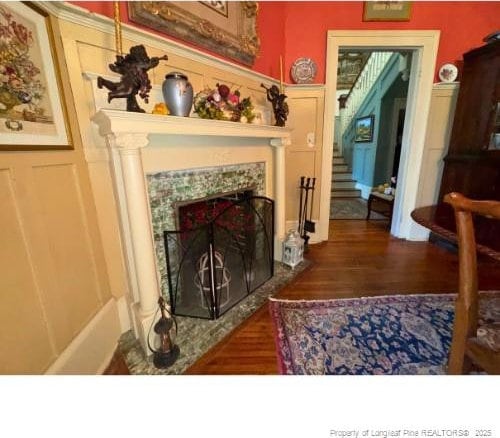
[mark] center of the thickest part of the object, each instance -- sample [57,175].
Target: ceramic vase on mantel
[178,94]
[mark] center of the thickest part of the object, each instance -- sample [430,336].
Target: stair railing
[364,82]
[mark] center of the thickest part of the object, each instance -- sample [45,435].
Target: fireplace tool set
[306,225]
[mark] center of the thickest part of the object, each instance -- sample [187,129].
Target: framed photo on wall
[387,10]
[364,129]
[32,108]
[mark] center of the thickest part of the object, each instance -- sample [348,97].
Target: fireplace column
[139,241]
[279,193]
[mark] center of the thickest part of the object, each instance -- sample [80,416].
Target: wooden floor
[360,259]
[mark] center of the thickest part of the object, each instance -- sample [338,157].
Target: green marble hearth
[196,336]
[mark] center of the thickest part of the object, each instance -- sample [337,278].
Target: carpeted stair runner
[345,200]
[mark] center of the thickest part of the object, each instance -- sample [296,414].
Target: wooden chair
[470,345]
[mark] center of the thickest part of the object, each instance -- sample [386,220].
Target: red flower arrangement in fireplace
[238,218]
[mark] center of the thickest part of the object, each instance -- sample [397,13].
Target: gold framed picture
[217,5]
[363,129]
[225,27]
[32,108]
[387,10]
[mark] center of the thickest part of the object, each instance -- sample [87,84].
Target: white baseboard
[418,233]
[92,349]
[365,190]
[124,314]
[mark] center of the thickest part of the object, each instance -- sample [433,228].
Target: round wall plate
[303,71]
[448,73]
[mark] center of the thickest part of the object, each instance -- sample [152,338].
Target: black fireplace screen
[213,266]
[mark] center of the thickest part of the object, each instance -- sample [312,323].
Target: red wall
[271,29]
[298,29]
[462,24]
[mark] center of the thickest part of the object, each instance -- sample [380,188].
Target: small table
[380,199]
[440,219]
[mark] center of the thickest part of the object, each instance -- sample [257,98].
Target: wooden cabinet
[472,165]
[494,127]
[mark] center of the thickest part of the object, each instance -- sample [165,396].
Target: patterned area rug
[354,208]
[402,334]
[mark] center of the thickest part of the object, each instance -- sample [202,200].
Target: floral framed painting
[363,129]
[32,108]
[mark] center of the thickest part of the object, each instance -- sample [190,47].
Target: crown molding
[83,17]
[313,87]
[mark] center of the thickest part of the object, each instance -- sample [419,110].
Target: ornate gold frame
[391,10]
[15,138]
[179,20]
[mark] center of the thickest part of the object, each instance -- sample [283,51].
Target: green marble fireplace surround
[166,189]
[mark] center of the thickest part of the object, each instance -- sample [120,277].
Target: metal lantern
[165,351]
[293,249]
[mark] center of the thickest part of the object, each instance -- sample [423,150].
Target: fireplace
[179,191]
[221,252]
[144,150]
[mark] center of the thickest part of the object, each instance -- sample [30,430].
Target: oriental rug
[399,334]
[351,208]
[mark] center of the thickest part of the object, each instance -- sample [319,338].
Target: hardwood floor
[117,365]
[360,259]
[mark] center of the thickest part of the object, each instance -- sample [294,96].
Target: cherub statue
[280,107]
[133,69]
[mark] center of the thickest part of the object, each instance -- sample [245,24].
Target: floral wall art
[31,109]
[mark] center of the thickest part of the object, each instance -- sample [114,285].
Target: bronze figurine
[134,80]
[280,107]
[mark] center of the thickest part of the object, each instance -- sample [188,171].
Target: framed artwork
[349,67]
[32,108]
[363,130]
[228,28]
[387,10]
[217,5]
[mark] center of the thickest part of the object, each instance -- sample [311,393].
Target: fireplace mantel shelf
[123,122]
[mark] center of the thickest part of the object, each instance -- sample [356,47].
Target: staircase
[369,75]
[343,186]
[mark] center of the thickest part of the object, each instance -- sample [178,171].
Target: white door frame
[424,44]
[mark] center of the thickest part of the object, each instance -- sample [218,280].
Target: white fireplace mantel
[126,134]
[116,121]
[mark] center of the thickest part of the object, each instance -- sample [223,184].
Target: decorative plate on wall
[303,71]
[448,73]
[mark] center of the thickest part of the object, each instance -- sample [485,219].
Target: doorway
[423,45]
[366,163]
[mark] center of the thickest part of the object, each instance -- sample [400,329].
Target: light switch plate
[310,139]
